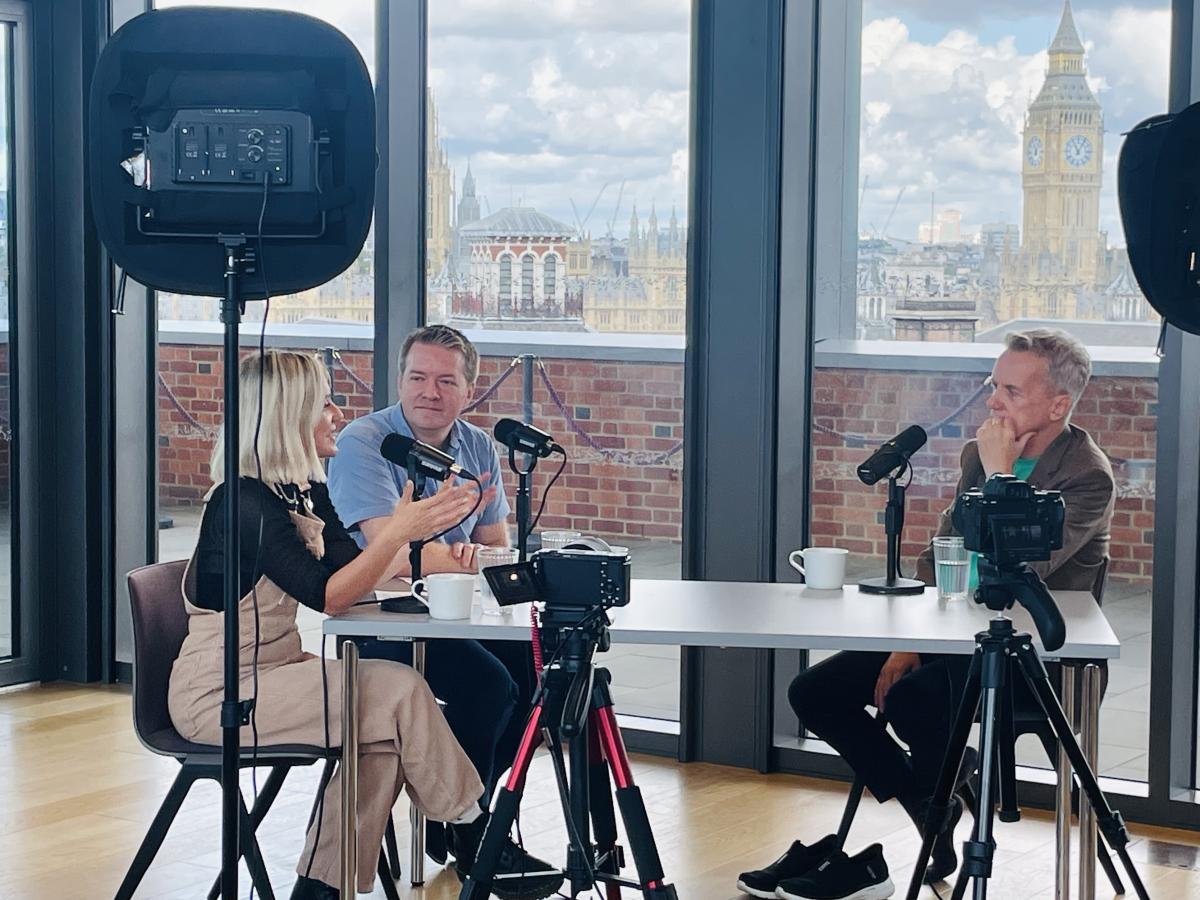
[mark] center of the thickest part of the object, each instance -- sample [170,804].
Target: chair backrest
[160,624]
[1101,579]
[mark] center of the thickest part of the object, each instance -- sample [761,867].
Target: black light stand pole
[523,501]
[892,583]
[234,712]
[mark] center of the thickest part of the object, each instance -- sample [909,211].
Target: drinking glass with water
[952,568]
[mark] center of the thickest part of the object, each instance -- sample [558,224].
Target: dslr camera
[580,580]
[1010,522]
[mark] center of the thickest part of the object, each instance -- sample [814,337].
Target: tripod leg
[1112,825]
[609,857]
[1006,752]
[477,885]
[633,808]
[945,786]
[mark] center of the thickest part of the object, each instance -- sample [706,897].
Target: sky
[560,100]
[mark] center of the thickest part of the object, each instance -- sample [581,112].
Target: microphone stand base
[881,585]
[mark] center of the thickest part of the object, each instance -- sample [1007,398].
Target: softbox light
[203,120]
[1158,188]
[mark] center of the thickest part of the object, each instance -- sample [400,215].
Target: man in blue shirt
[486,686]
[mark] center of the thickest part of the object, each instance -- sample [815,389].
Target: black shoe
[799,860]
[519,875]
[436,844]
[943,860]
[311,889]
[966,769]
[863,876]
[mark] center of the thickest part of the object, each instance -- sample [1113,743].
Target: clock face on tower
[1033,151]
[1078,151]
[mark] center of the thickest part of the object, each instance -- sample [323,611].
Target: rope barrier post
[527,360]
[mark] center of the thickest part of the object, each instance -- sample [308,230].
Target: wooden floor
[77,792]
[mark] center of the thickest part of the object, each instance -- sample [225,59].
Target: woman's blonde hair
[294,390]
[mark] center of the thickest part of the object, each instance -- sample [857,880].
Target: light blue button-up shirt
[364,485]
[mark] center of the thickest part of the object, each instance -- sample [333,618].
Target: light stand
[892,583]
[234,712]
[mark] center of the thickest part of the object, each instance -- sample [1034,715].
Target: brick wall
[636,410]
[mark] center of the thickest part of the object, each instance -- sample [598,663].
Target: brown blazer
[1074,465]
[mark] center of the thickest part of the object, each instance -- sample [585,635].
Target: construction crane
[861,195]
[616,209]
[895,206]
[580,224]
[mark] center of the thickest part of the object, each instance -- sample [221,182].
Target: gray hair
[1067,361]
[443,336]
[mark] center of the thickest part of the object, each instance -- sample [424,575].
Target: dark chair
[1027,719]
[159,627]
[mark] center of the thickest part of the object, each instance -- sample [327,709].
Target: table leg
[1089,741]
[416,817]
[349,769]
[1062,796]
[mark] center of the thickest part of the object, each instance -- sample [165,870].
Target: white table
[767,616]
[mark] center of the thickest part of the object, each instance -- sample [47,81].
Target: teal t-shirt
[1022,469]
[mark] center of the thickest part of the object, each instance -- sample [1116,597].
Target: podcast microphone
[398,449]
[892,454]
[525,438]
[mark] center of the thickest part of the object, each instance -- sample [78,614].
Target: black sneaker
[519,875]
[841,877]
[799,860]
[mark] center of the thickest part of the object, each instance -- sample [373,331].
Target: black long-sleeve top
[284,558]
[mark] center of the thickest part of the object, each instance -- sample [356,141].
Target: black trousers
[831,700]
[487,688]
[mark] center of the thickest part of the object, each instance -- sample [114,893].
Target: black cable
[546,493]
[254,572]
[478,500]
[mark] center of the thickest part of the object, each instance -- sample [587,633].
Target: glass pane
[9,609]
[189,370]
[986,204]
[557,172]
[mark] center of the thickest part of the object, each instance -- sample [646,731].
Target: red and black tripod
[574,704]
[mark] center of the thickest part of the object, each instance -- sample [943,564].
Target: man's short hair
[1067,361]
[443,336]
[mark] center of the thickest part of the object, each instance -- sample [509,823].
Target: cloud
[945,115]
[965,15]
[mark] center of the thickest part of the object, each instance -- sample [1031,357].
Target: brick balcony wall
[637,409]
[633,408]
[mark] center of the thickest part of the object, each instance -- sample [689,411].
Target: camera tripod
[998,650]
[574,704]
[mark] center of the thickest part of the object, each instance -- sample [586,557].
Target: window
[549,288]
[1002,216]
[562,139]
[527,283]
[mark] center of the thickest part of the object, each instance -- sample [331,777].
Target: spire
[1066,40]
[468,189]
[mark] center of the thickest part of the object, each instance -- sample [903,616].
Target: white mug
[450,594]
[823,568]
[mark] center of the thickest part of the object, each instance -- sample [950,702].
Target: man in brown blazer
[1035,383]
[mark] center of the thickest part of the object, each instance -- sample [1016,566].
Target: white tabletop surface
[767,616]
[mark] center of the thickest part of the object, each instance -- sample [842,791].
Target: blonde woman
[295,551]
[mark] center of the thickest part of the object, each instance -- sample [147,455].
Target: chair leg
[262,806]
[385,877]
[157,831]
[393,851]
[856,792]
[250,850]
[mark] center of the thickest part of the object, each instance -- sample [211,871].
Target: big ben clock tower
[1062,249]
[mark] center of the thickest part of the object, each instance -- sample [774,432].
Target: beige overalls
[403,736]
